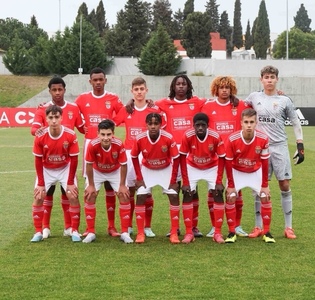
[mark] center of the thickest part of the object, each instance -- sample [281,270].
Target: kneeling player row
[202,155]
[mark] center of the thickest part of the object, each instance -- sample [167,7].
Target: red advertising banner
[16,117]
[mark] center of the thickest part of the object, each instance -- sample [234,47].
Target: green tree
[34,22]
[248,37]
[225,31]
[93,20]
[254,30]
[196,35]
[188,8]
[178,22]
[64,50]
[11,28]
[101,19]
[136,23]
[17,59]
[301,45]
[159,56]
[162,13]
[117,41]
[212,11]
[301,20]
[39,57]
[83,10]
[237,25]
[262,33]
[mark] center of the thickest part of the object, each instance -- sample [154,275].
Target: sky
[53,15]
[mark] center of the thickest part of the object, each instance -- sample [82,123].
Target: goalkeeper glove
[299,154]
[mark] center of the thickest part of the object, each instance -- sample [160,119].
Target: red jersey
[202,154]
[246,157]
[71,116]
[103,160]
[56,151]
[156,155]
[134,123]
[179,114]
[97,108]
[224,118]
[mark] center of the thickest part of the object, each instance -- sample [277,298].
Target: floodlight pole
[60,15]
[287,33]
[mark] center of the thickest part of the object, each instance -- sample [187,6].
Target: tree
[64,50]
[212,11]
[83,10]
[196,35]
[188,8]
[17,59]
[254,30]
[39,57]
[101,19]
[301,45]
[262,33]
[136,23]
[34,22]
[178,22]
[162,13]
[159,56]
[248,37]
[237,26]
[225,31]
[301,20]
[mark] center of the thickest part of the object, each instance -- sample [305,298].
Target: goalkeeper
[272,112]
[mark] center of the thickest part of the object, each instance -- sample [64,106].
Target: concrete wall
[296,79]
[301,89]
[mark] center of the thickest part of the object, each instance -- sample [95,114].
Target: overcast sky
[49,17]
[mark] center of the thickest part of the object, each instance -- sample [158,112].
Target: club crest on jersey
[70,115]
[115,154]
[275,105]
[258,149]
[211,147]
[164,148]
[107,104]
[191,106]
[65,144]
[234,111]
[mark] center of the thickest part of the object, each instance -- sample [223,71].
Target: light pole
[287,33]
[60,15]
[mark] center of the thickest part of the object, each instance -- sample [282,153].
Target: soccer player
[179,108]
[158,149]
[247,166]
[224,112]
[106,160]
[205,154]
[135,124]
[56,153]
[71,118]
[95,106]
[272,111]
